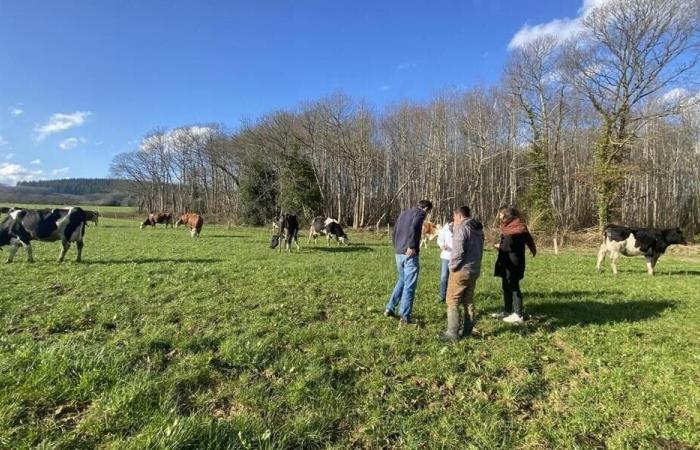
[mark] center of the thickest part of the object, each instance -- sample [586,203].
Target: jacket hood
[474,224]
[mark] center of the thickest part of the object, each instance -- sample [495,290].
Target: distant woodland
[92,191]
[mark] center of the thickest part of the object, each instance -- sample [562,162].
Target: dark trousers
[512,297]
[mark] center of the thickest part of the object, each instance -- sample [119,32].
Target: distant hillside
[77,186]
[86,191]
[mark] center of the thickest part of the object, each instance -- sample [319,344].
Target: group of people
[462,245]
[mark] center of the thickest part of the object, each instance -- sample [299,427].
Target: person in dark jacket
[510,264]
[406,239]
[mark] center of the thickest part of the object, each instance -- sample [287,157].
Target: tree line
[598,129]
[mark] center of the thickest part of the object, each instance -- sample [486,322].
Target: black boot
[452,333]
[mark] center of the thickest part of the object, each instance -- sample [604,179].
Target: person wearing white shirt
[444,241]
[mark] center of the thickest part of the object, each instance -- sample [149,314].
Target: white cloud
[15,111]
[71,142]
[405,66]
[559,29]
[35,162]
[12,173]
[9,156]
[61,122]
[60,171]
[384,87]
[3,141]
[171,139]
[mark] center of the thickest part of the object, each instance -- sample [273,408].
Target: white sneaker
[513,318]
[499,315]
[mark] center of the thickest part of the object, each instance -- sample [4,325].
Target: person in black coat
[510,264]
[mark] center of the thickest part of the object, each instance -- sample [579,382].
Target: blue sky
[82,80]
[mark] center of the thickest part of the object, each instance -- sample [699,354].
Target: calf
[649,242]
[159,217]
[287,228]
[21,226]
[192,221]
[428,233]
[331,228]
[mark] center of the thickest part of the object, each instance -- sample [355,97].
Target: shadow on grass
[587,312]
[349,249]
[678,272]
[223,236]
[153,261]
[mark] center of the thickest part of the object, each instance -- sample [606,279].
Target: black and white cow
[287,229]
[21,226]
[648,242]
[331,228]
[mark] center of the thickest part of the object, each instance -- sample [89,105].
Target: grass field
[161,341]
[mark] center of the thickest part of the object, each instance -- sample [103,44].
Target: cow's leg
[79,245]
[296,243]
[613,261]
[193,233]
[328,239]
[12,252]
[65,245]
[651,263]
[601,257]
[30,252]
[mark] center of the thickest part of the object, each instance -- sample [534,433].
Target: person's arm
[531,244]
[459,239]
[415,230]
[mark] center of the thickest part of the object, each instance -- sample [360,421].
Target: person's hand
[443,247]
[410,252]
[497,246]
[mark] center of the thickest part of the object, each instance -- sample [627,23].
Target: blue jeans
[444,275]
[405,290]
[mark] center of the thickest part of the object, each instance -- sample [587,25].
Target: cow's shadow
[551,315]
[153,261]
[342,249]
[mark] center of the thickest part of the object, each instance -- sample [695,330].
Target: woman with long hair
[510,264]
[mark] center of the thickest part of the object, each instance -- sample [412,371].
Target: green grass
[161,341]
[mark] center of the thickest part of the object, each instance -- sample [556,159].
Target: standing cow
[428,233]
[287,229]
[21,226]
[331,228]
[159,217]
[192,221]
[649,242]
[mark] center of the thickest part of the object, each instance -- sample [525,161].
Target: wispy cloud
[9,156]
[384,87]
[12,173]
[559,29]
[3,141]
[61,122]
[71,142]
[15,111]
[35,162]
[61,171]
[405,66]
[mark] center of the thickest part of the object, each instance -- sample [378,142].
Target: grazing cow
[159,217]
[649,242]
[4,209]
[428,233]
[331,228]
[21,226]
[287,228]
[192,221]
[92,216]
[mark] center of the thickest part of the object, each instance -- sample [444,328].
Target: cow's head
[275,241]
[344,239]
[674,236]
[145,222]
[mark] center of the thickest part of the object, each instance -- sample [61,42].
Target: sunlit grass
[162,341]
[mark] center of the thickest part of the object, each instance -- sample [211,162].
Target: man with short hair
[465,268]
[406,239]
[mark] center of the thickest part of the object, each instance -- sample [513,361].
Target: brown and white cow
[158,217]
[428,233]
[192,221]
[648,242]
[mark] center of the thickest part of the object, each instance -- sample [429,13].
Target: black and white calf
[287,229]
[648,242]
[331,228]
[21,226]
